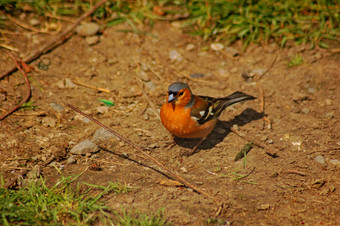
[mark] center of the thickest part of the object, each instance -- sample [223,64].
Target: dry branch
[28,94]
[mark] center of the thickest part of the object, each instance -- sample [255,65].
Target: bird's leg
[193,151]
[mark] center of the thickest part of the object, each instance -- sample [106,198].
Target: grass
[67,203]
[37,204]
[295,61]
[251,21]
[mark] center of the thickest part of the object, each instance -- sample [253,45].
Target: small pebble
[235,127]
[263,138]
[223,72]
[232,51]
[143,75]
[305,110]
[89,29]
[311,90]
[234,70]
[263,206]
[71,160]
[174,55]
[91,40]
[190,47]
[60,84]
[150,86]
[102,109]
[335,162]
[216,46]
[154,145]
[56,107]
[145,116]
[84,147]
[34,22]
[197,75]
[270,141]
[258,71]
[82,118]
[183,169]
[69,84]
[328,102]
[48,122]
[320,159]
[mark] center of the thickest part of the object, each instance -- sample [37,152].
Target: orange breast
[179,122]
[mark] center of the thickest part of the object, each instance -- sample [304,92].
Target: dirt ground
[301,185]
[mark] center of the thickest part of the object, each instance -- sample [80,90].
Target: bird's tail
[236,98]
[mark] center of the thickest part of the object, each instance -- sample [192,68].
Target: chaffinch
[189,116]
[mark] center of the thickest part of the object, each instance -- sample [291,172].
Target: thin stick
[142,150]
[270,66]
[28,94]
[77,81]
[269,152]
[56,41]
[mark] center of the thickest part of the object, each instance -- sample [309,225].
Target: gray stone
[71,160]
[216,46]
[101,135]
[84,147]
[305,110]
[91,40]
[174,55]
[69,84]
[335,162]
[190,47]
[102,109]
[232,51]
[89,29]
[320,159]
[34,22]
[48,122]
[150,86]
[56,107]
[143,75]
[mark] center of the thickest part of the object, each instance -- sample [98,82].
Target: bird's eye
[180,93]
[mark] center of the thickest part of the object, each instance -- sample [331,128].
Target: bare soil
[302,103]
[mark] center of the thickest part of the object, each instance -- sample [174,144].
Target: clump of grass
[28,106]
[142,219]
[251,21]
[262,21]
[37,204]
[295,61]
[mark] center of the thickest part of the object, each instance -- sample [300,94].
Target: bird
[187,115]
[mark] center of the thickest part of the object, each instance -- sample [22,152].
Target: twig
[270,66]
[56,41]
[269,152]
[28,95]
[265,118]
[9,47]
[23,173]
[295,172]
[78,82]
[142,150]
